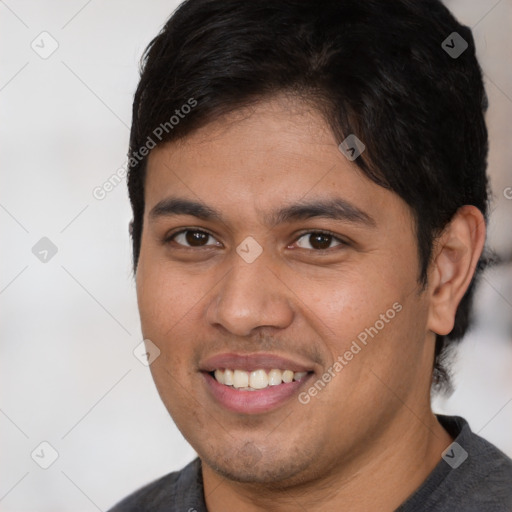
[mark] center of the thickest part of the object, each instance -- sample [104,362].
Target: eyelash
[336,238]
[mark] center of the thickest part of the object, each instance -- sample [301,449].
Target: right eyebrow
[178,206]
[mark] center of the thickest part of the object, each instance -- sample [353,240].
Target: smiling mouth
[256,380]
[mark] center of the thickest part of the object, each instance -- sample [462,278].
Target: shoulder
[473,475]
[487,479]
[174,491]
[482,456]
[481,478]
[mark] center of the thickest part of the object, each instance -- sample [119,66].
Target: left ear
[456,255]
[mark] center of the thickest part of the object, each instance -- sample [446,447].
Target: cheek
[164,298]
[347,302]
[166,302]
[373,305]
[171,307]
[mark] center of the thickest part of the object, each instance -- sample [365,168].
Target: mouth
[253,384]
[242,380]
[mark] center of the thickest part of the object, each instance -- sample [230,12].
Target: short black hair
[375,68]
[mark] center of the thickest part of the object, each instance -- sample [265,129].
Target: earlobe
[456,255]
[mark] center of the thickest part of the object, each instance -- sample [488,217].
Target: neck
[389,470]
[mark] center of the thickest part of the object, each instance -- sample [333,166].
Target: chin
[249,464]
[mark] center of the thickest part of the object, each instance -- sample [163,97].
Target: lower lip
[252,402]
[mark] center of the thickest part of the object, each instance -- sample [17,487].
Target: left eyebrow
[334,209]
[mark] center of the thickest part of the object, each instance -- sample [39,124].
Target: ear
[456,254]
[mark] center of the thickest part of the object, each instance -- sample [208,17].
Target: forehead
[276,152]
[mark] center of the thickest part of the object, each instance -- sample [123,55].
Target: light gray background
[69,326]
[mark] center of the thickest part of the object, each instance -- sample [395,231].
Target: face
[264,248]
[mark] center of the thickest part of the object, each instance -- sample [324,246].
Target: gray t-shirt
[472,476]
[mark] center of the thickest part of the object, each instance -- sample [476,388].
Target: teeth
[228,377]
[240,379]
[219,375]
[274,377]
[287,376]
[257,379]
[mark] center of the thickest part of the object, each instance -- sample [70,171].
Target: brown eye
[318,240]
[191,238]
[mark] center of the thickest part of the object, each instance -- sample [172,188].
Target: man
[309,194]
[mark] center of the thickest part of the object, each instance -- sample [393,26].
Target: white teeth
[287,376]
[219,375]
[257,379]
[240,379]
[228,377]
[274,377]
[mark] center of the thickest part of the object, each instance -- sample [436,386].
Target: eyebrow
[334,209]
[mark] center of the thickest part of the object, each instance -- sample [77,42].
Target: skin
[369,439]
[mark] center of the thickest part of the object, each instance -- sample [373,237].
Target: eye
[196,238]
[191,238]
[319,240]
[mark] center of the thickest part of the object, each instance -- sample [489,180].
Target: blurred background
[81,424]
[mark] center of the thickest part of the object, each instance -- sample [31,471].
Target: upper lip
[251,362]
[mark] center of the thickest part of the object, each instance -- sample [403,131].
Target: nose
[251,296]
